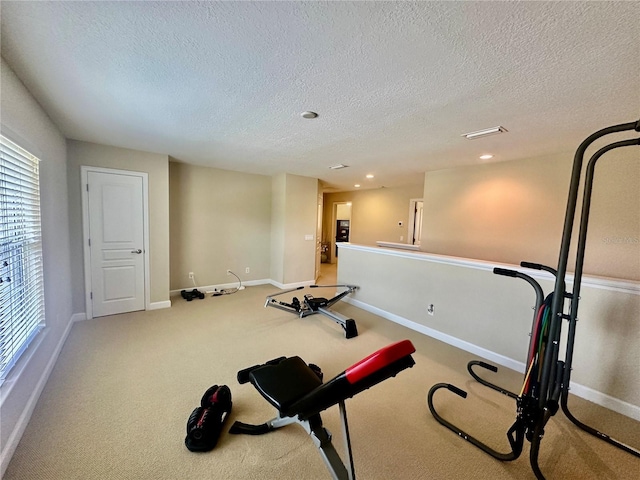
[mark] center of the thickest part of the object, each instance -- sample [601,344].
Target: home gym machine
[546,382]
[296,390]
[311,305]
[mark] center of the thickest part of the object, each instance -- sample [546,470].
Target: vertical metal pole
[582,242]
[557,307]
[347,440]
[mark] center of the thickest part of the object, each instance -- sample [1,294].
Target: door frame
[412,219]
[84,182]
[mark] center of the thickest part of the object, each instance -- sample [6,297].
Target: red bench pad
[379,359]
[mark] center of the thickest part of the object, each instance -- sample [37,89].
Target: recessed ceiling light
[338,166]
[486,156]
[309,114]
[357,185]
[369,176]
[484,133]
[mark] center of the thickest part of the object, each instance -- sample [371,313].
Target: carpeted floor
[117,402]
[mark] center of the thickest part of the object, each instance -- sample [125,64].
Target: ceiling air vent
[338,166]
[484,133]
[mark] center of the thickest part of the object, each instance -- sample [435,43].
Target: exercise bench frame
[296,390]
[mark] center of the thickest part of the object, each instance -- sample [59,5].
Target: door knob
[136,251]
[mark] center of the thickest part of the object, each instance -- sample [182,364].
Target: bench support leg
[322,439]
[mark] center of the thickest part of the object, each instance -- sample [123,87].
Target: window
[21,282]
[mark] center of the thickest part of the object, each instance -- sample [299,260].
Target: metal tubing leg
[485,382]
[322,439]
[515,435]
[596,433]
[348,324]
[347,440]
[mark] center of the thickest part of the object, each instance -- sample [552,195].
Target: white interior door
[115,209]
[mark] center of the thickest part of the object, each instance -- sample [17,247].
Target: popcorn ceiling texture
[223,84]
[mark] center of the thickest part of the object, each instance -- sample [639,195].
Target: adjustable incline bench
[296,390]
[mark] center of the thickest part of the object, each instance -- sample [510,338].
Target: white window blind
[21,282]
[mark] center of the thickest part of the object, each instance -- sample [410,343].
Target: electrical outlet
[431,309]
[247,270]
[228,271]
[191,275]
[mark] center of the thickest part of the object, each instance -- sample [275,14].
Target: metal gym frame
[546,382]
[311,305]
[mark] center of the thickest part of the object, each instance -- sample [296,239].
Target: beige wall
[514,211]
[294,218]
[302,214]
[219,220]
[24,122]
[374,214]
[157,167]
[278,221]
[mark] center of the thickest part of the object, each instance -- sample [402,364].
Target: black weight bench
[296,390]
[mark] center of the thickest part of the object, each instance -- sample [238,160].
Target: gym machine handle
[505,272]
[534,266]
[482,364]
[538,266]
[454,389]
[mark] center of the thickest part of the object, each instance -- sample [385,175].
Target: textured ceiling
[395,83]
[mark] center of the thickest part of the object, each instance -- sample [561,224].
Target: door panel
[118,283]
[116,232]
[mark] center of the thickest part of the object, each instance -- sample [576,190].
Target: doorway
[116,241]
[341,228]
[320,203]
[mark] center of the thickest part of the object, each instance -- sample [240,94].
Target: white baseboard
[599,398]
[12,442]
[222,286]
[159,305]
[288,286]
[607,401]
[79,317]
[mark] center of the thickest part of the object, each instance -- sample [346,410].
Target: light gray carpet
[117,402]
